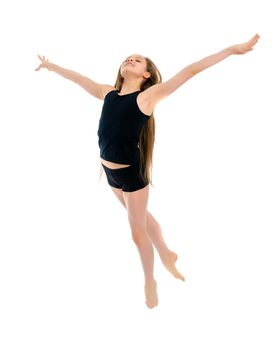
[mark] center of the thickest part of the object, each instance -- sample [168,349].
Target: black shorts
[128,178]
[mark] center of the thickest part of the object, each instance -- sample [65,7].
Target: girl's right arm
[95,89]
[159,91]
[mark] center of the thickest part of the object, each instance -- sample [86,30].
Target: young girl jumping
[126,134]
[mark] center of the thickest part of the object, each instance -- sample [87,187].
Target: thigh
[119,194]
[136,205]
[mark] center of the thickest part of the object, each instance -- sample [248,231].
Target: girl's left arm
[160,91]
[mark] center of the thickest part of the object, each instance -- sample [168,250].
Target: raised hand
[245,47]
[45,63]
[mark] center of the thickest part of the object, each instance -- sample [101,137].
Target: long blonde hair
[147,135]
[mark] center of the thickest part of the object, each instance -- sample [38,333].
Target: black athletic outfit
[119,129]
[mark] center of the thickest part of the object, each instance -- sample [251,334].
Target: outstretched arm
[95,89]
[160,91]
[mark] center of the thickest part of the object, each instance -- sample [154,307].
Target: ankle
[150,283]
[165,253]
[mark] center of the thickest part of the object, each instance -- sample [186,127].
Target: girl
[126,138]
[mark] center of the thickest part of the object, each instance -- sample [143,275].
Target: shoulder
[105,89]
[147,99]
[153,94]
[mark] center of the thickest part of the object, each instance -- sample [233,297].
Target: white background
[70,274]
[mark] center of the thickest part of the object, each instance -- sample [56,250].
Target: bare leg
[146,252]
[168,257]
[136,204]
[154,231]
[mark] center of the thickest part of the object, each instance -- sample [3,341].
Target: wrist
[50,66]
[229,50]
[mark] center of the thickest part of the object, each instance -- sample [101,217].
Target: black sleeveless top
[119,128]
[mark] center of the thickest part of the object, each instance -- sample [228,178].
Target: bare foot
[169,261]
[151,294]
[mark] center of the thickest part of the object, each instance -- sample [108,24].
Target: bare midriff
[113,165]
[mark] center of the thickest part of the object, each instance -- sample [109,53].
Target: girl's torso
[144,107]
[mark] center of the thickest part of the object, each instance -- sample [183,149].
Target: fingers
[256,36]
[254,39]
[38,68]
[43,60]
[249,45]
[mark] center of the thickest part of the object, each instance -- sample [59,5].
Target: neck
[129,86]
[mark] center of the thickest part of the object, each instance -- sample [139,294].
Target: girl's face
[135,64]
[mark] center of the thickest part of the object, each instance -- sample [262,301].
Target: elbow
[195,68]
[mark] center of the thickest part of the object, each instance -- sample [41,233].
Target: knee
[138,236]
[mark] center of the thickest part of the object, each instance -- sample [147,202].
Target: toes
[151,306]
[178,275]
